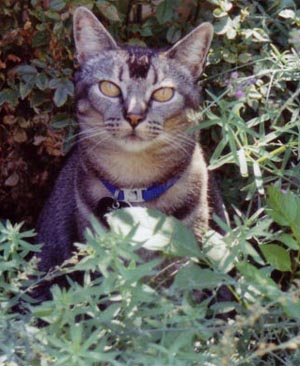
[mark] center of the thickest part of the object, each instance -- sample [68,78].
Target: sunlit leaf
[155,231]
[277,257]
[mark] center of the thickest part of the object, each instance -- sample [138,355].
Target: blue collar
[138,194]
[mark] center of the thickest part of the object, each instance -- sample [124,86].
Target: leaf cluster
[129,315]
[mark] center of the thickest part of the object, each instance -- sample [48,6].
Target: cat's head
[136,96]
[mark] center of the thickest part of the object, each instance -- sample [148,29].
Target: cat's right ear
[90,35]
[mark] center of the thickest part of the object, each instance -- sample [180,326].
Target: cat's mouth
[134,141]
[133,137]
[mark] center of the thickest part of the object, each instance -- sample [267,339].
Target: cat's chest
[133,170]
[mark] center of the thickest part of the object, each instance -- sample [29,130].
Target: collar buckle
[133,195]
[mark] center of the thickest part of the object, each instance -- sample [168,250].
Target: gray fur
[129,155]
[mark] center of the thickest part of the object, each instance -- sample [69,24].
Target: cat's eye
[109,89]
[163,94]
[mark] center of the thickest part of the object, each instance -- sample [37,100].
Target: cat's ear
[90,35]
[192,49]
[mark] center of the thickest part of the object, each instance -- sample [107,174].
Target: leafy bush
[249,126]
[129,317]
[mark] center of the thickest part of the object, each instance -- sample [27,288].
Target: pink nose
[134,119]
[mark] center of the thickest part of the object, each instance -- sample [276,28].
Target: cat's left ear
[192,49]
[90,35]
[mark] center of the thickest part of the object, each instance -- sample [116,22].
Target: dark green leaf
[57,5]
[38,98]
[109,10]
[9,96]
[284,207]
[64,89]
[173,34]
[60,96]
[164,12]
[62,121]
[40,39]
[54,83]
[41,81]
[26,88]
[26,69]
[39,63]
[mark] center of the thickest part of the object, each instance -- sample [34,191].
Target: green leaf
[108,10]
[57,5]
[291,305]
[195,277]
[173,34]
[255,275]
[41,81]
[41,38]
[277,257]
[64,89]
[43,310]
[222,25]
[145,31]
[39,63]
[9,96]
[26,88]
[164,11]
[60,96]
[62,121]
[285,207]
[289,241]
[26,69]
[38,98]
[54,83]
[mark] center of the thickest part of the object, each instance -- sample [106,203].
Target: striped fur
[151,148]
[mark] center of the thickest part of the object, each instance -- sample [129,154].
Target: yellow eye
[163,94]
[109,89]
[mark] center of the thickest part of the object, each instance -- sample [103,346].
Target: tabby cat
[136,143]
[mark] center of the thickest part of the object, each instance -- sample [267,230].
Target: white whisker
[178,142]
[87,133]
[95,146]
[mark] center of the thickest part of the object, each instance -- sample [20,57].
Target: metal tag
[133,195]
[107,205]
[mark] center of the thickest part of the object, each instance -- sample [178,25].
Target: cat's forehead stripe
[138,62]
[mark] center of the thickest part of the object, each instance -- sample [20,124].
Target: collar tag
[133,195]
[137,195]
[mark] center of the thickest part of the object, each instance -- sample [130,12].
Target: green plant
[128,315]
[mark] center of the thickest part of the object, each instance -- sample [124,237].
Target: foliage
[249,126]
[128,316]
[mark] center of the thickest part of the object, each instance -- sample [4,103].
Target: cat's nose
[134,119]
